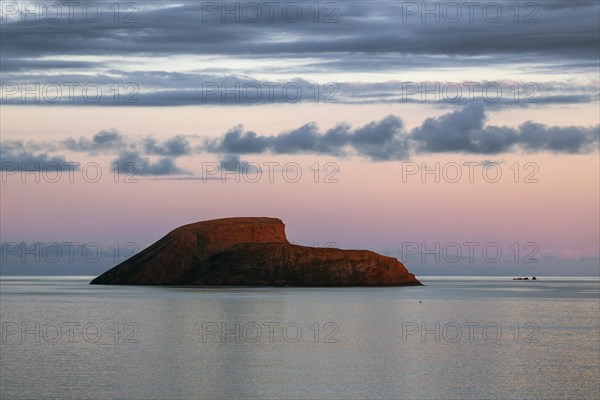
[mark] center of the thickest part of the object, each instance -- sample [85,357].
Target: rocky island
[251,252]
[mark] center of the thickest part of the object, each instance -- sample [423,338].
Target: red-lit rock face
[251,252]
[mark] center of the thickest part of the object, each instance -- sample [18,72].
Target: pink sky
[370,207]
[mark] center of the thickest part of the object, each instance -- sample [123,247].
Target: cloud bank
[464,131]
[170,50]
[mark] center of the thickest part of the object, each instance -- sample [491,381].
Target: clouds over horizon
[131,162]
[161,89]
[463,131]
[170,50]
[15,155]
[553,29]
[132,155]
[378,140]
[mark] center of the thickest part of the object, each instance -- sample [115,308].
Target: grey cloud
[573,139]
[232,162]
[174,147]
[111,140]
[20,156]
[461,131]
[238,141]
[17,156]
[364,27]
[132,163]
[304,139]
[102,141]
[11,65]
[377,140]
[465,131]
[381,140]
[157,88]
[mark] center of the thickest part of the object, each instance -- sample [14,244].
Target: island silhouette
[251,251]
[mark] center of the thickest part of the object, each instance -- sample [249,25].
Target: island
[251,251]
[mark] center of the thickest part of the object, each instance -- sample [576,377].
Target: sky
[460,137]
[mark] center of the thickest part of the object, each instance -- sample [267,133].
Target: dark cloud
[461,131]
[377,140]
[157,88]
[174,147]
[232,162]
[240,142]
[103,141]
[111,140]
[572,139]
[19,65]
[363,35]
[17,156]
[464,131]
[381,140]
[133,164]
[361,27]
[304,139]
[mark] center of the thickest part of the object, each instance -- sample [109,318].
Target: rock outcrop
[251,252]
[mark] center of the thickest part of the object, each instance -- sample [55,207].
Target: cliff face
[285,264]
[251,252]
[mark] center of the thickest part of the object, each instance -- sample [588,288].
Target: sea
[453,338]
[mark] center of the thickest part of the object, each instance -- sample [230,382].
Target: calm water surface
[459,338]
